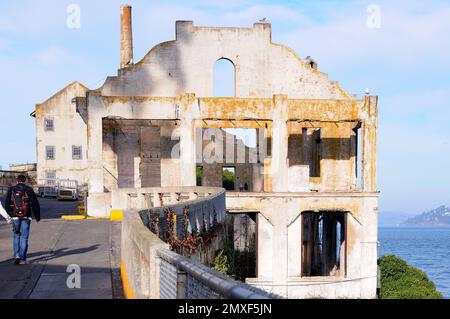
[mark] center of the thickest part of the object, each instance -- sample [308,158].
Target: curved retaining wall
[150,270]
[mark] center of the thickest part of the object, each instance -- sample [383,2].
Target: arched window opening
[224,78]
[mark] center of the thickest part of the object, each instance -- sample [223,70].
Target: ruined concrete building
[311,183]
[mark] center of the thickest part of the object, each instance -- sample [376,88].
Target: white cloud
[54,56]
[405,37]
[29,17]
[412,34]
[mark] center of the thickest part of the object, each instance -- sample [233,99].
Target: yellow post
[116,215]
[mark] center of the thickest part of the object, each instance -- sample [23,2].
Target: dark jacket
[34,203]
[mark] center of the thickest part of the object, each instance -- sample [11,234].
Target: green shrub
[199,175]
[221,263]
[228,180]
[402,281]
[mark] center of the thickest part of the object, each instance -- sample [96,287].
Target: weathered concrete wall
[310,128]
[336,119]
[186,65]
[139,265]
[149,270]
[279,259]
[23,167]
[69,130]
[326,154]
[138,153]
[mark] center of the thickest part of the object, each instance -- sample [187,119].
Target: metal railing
[150,197]
[189,217]
[182,278]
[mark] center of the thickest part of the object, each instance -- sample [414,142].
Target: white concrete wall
[280,243]
[69,129]
[186,65]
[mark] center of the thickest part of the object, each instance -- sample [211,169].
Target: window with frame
[50,178]
[49,124]
[50,152]
[77,152]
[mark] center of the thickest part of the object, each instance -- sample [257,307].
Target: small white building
[61,137]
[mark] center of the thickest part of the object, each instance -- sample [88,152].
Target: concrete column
[187,140]
[181,285]
[95,154]
[272,249]
[264,248]
[141,200]
[156,200]
[155,275]
[369,145]
[294,247]
[279,162]
[98,202]
[173,198]
[126,36]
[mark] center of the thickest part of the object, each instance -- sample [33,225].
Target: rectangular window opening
[358,157]
[229,178]
[199,175]
[77,152]
[50,152]
[50,178]
[323,244]
[242,149]
[316,153]
[49,124]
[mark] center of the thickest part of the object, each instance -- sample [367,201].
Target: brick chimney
[126,37]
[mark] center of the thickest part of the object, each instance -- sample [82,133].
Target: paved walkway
[54,245]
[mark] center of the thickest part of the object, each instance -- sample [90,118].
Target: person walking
[21,204]
[5,214]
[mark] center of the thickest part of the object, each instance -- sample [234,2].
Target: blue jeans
[21,230]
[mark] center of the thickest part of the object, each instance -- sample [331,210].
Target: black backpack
[20,202]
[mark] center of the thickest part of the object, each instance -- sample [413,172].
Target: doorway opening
[324,243]
[228,178]
[224,78]
[199,175]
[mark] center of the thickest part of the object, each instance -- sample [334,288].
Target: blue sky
[406,62]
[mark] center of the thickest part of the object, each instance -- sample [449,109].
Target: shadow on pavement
[46,255]
[55,282]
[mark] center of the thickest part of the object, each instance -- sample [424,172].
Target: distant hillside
[392,218]
[439,217]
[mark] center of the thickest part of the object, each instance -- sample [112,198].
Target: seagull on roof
[263,20]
